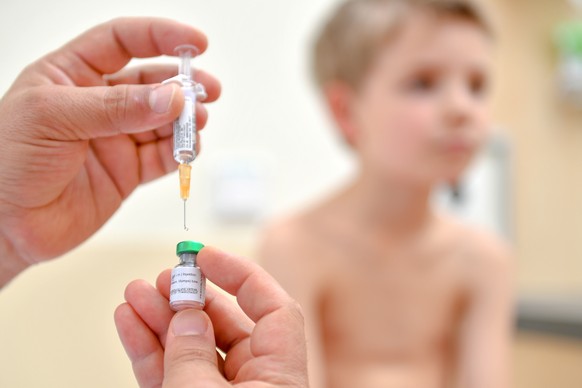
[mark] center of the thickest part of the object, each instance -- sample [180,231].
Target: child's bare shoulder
[290,252]
[481,251]
[284,234]
[291,239]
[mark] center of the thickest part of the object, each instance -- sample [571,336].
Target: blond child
[395,293]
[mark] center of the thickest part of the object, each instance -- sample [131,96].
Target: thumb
[91,112]
[190,355]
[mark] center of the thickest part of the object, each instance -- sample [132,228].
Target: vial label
[184,132]
[187,284]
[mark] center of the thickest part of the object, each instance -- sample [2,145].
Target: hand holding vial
[263,337]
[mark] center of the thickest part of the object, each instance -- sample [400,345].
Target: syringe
[185,125]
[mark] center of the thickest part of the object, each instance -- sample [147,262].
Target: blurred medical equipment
[569,42]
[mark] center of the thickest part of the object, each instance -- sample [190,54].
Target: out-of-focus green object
[569,38]
[569,41]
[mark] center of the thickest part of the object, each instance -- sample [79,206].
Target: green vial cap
[188,247]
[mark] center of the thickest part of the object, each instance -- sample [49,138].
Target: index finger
[257,293]
[278,334]
[108,47]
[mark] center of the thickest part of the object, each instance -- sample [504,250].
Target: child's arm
[281,254]
[486,332]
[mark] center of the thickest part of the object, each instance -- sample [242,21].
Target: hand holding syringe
[185,125]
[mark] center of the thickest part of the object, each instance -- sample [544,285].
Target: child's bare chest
[393,308]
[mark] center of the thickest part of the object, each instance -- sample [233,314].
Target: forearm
[10,263]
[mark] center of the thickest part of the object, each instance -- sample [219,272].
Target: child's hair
[349,41]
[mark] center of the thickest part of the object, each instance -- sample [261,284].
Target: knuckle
[296,306]
[188,355]
[117,21]
[115,103]
[37,99]
[295,311]
[36,109]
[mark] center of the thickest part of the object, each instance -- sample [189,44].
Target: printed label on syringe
[184,133]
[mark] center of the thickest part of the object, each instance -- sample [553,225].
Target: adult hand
[263,340]
[78,133]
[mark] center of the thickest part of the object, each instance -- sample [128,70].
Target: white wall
[56,326]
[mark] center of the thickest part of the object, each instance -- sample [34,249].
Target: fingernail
[189,322]
[161,98]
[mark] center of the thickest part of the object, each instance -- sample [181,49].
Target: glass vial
[188,284]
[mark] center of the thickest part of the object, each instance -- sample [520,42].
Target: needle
[185,227]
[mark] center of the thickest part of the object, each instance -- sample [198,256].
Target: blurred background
[269,149]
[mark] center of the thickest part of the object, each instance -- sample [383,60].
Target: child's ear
[339,97]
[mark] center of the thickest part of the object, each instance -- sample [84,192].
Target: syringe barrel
[185,129]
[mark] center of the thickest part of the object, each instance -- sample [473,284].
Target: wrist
[10,263]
